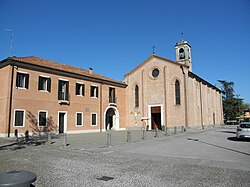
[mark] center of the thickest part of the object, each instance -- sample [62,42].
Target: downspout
[165,94]
[202,125]
[101,107]
[185,96]
[11,95]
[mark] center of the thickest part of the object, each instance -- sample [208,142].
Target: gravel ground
[58,166]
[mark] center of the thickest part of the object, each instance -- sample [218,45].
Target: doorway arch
[111,120]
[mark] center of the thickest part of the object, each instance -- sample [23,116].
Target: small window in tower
[181,53]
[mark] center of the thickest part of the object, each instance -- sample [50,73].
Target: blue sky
[114,36]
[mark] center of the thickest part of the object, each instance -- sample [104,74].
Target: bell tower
[183,53]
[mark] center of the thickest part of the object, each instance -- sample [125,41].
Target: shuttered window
[22,80]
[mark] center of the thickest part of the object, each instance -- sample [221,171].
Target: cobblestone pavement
[210,157]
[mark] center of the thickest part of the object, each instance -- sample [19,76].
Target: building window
[94,91]
[93,119]
[22,80]
[63,90]
[112,98]
[155,73]
[19,118]
[80,89]
[42,118]
[177,93]
[79,119]
[44,83]
[136,96]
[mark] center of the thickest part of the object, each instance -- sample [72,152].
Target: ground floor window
[19,118]
[93,119]
[42,118]
[79,119]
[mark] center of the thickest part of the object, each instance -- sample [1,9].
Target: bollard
[49,138]
[166,131]
[182,129]
[156,132]
[26,134]
[16,134]
[143,133]
[128,136]
[175,128]
[108,139]
[64,139]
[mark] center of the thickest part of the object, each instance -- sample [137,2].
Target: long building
[40,95]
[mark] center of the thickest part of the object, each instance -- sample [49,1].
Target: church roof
[150,58]
[58,67]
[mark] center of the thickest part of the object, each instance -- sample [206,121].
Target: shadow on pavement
[229,149]
[238,140]
[230,132]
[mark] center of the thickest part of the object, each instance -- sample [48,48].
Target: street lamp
[11,40]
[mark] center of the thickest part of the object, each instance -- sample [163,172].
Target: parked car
[243,130]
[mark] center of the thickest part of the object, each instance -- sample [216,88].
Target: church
[41,95]
[164,93]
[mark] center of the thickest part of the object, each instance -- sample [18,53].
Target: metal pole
[108,139]
[143,133]
[65,139]
[128,136]
[156,132]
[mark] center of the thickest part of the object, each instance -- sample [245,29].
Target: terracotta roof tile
[61,67]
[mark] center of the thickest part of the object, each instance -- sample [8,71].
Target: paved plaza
[209,157]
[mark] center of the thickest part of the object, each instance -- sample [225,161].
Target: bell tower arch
[183,53]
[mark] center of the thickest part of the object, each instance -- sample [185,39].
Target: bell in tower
[183,53]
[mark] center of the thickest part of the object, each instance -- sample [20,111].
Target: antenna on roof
[153,49]
[11,41]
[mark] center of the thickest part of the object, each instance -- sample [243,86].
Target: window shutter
[83,89]
[97,92]
[39,83]
[17,79]
[67,91]
[77,88]
[49,84]
[27,81]
[59,90]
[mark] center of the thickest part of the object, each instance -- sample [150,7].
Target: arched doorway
[111,119]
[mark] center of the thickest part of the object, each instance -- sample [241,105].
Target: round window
[155,73]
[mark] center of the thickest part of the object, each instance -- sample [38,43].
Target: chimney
[90,71]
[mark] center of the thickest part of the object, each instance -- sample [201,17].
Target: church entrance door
[156,117]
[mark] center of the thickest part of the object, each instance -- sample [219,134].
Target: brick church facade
[40,95]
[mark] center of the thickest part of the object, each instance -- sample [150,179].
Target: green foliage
[233,107]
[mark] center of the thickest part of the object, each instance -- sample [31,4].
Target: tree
[233,106]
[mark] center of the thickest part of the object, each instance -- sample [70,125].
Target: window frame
[24,82]
[177,93]
[96,121]
[95,91]
[48,83]
[137,97]
[14,120]
[66,97]
[46,121]
[77,120]
[81,89]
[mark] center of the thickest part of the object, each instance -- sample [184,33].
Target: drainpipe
[142,91]
[202,125]
[165,95]
[101,107]
[11,93]
[185,95]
